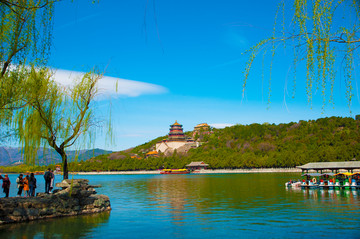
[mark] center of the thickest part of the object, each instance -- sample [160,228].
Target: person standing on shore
[20,184]
[52,181]
[6,185]
[47,177]
[26,186]
[32,185]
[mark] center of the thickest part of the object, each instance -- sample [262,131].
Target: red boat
[175,171]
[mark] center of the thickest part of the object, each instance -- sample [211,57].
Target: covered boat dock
[334,167]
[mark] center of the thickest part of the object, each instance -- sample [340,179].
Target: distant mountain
[12,155]
[9,155]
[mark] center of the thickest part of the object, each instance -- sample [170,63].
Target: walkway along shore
[204,171]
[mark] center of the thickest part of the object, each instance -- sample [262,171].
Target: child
[26,186]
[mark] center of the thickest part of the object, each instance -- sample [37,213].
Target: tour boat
[175,171]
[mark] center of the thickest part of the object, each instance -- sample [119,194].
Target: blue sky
[181,60]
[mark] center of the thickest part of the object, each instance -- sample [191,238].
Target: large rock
[76,197]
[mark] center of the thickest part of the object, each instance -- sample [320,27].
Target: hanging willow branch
[324,35]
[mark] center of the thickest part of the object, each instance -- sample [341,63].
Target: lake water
[204,206]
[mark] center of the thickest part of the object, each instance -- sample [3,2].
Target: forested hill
[253,146]
[283,145]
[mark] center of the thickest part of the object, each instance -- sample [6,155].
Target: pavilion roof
[331,165]
[152,152]
[196,164]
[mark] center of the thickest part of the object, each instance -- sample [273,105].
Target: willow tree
[54,115]
[25,38]
[324,34]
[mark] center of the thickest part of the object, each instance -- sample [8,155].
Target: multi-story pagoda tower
[176,140]
[176,132]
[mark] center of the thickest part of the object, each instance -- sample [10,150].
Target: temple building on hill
[176,140]
[201,129]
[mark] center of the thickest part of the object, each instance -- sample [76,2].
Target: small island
[76,197]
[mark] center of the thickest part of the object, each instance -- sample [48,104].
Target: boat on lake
[355,182]
[310,180]
[174,171]
[293,184]
[326,181]
[348,180]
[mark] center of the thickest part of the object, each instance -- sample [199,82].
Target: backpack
[32,182]
[47,176]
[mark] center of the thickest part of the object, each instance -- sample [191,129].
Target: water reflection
[328,195]
[170,193]
[216,197]
[68,227]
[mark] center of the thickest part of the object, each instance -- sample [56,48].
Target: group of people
[27,184]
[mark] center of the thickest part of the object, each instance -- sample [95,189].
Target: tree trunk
[63,155]
[65,166]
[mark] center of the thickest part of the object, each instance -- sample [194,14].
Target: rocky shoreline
[76,197]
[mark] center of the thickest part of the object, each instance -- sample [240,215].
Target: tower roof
[176,123]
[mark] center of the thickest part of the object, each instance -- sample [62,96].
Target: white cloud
[221,125]
[111,86]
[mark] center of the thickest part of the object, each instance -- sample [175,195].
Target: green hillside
[250,146]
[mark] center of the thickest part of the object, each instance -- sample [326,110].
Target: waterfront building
[349,166]
[197,166]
